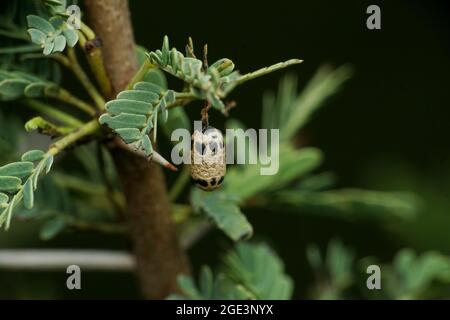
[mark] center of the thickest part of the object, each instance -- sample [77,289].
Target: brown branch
[159,257]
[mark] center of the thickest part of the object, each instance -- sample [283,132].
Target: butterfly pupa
[208,164]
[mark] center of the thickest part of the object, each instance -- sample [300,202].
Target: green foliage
[15,85]
[134,113]
[334,271]
[290,111]
[410,276]
[19,180]
[224,211]
[147,97]
[53,227]
[52,35]
[45,127]
[251,271]
[351,202]
[212,84]
[247,181]
[77,200]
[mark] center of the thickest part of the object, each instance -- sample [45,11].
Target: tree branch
[159,256]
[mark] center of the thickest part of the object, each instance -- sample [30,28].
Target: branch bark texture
[159,257]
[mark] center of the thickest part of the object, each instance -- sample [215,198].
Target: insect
[208,165]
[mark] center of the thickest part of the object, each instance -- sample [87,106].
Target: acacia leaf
[17,169]
[33,155]
[10,184]
[224,211]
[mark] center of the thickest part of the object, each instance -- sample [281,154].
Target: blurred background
[387,129]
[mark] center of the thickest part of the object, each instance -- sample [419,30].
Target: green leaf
[290,111]
[223,66]
[10,184]
[52,228]
[250,271]
[147,145]
[247,181]
[129,135]
[188,286]
[128,106]
[165,50]
[12,88]
[139,95]
[40,24]
[147,86]
[59,44]
[48,48]
[260,271]
[35,90]
[45,127]
[123,120]
[223,210]
[377,204]
[48,164]
[37,36]
[17,169]
[206,281]
[157,78]
[33,155]
[71,36]
[28,194]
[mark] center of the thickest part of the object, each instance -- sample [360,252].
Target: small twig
[65,96]
[205,58]
[87,31]
[53,113]
[230,105]
[204,114]
[94,55]
[140,74]
[266,70]
[83,131]
[84,79]
[190,48]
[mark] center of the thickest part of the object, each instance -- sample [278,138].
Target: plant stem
[90,35]
[91,46]
[87,129]
[140,74]
[65,96]
[266,70]
[54,113]
[84,79]
[159,256]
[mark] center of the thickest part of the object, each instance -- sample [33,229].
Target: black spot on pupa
[200,148]
[220,180]
[213,147]
[213,182]
[202,183]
